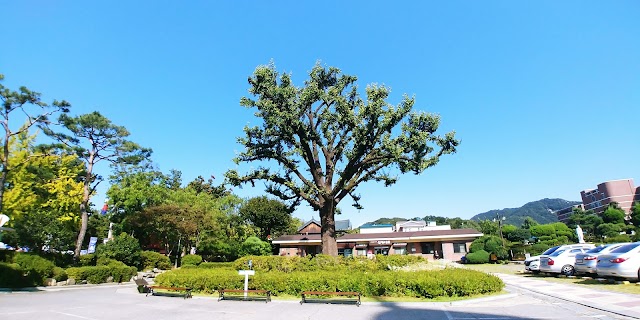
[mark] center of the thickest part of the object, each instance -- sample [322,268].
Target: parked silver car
[622,262]
[586,262]
[533,263]
[561,261]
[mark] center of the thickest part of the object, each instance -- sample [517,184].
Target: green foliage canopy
[327,140]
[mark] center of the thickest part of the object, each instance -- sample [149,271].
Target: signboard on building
[380,242]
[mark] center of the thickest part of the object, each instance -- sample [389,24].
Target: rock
[71,281]
[61,283]
[83,282]
[50,282]
[109,279]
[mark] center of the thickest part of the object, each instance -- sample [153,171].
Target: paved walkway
[620,303]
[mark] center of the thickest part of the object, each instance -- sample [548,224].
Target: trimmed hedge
[36,268]
[479,256]
[324,262]
[88,260]
[152,259]
[12,276]
[216,265]
[99,274]
[191,259]
[430,284]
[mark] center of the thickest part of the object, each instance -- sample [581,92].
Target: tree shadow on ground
[404,311]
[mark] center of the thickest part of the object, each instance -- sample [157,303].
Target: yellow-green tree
[26,106]
[43,194]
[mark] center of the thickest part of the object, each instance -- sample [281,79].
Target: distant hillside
[541,211]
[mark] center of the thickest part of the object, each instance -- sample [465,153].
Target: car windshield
[596,249]
[557,253]
[626,248]
[550,250]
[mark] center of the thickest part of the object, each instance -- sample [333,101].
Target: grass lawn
[518,269]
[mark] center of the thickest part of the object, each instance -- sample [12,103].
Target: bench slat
[355,299]
[246,292]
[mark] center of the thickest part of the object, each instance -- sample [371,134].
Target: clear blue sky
[544,95]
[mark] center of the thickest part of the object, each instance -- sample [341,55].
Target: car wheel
[568,270]
[535,271]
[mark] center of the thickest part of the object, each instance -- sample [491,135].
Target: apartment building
[623,192]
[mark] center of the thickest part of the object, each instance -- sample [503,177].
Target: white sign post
[246,274]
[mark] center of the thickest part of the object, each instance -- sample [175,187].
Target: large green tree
[635,215]
[272,217]
[31,111]
[325,140]
[94,138]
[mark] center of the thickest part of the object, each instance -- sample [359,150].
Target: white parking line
[73,315]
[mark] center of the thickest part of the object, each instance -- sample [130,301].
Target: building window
[361,252]
[427,247]
[345,252]
[459,247]
[399,250]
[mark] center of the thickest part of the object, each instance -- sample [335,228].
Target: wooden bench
[353,297]
[184,291]
[235,294]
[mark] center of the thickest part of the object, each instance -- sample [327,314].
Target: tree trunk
[5,166]
[84,205]
[328,222]
[83,230]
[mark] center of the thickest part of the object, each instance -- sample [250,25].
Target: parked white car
[533,263]
[586,262]
[561,261]
[622,262]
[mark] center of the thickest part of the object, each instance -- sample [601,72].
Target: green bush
[100,274]
[478,257]
[36,268]
[102,261]
[152,259]
[123,248]
[451,282]
[191,259]
[618,239]
[7,256]
[397,260]
[59,274]
[216,265]
[60,259]
[12,276]
[255,247]
[538,248]
[323,262]
[88,260]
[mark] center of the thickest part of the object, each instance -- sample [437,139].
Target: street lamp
[499,220]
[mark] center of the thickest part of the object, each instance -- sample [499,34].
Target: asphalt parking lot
[123,302]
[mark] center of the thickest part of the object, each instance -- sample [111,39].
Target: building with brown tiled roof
[451,244]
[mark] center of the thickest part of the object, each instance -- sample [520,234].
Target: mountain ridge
[541,211]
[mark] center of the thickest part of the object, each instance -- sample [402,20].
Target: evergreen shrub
[36,268]
[88,260]
[191,259]
[477,257]
[450,282]
[324,262]
[152,259]
[216,265]
[123,248]
[99,274]
[59,274]
[12,276]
